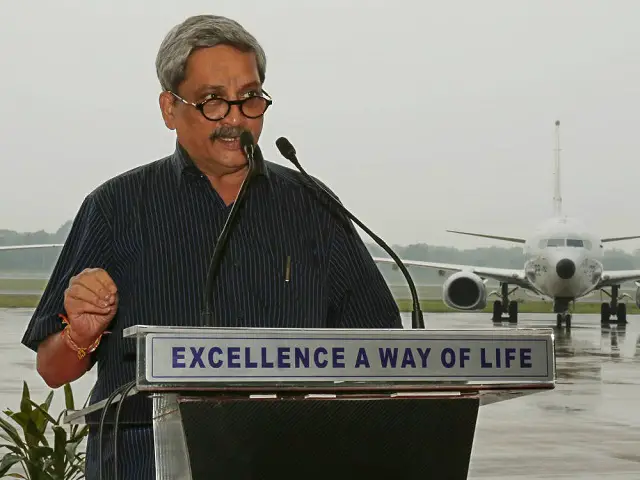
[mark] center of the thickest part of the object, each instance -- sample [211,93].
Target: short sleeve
[360,296]
[87,246]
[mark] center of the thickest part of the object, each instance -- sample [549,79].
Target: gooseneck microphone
[256,166]
[288,152]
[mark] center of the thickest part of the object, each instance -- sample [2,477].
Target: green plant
[32,450]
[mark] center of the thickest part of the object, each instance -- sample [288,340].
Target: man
[140,246]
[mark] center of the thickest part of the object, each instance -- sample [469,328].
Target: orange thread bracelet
[82,352]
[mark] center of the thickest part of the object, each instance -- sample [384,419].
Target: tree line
[41,262]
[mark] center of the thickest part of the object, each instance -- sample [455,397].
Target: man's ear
[167,107]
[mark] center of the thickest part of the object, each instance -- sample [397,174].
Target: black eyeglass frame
[200,105]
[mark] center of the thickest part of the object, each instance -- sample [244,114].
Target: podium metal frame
[196,402]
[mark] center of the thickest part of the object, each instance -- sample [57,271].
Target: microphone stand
[288,152]
[246,140]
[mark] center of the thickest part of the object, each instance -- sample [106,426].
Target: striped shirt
[154,229]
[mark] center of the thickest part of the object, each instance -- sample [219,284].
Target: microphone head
[246,141]
[286,149]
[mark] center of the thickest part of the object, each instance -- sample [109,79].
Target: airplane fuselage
[563,260]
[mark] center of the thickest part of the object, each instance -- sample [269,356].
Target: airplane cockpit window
[555,242]
[566,242]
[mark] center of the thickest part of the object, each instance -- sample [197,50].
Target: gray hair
[202,31]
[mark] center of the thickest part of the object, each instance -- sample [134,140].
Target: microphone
[256,165]
[289,152]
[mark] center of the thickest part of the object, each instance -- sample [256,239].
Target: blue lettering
[177,354]
[388,357]
[448,357]
[483,359]
[408,358]
[464,355]
[197,357]
[265,364]
[302,357]
[511,355]
[508,356]
[283,354]
[316,359]
[247,358]
[525,358]
[338,357]
[362,358]
[212,362]
[234,354]
[424,355]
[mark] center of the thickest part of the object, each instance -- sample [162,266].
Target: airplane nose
[565,268]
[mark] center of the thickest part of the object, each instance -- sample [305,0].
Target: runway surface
[587,428]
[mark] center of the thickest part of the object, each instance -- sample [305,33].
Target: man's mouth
[229,143]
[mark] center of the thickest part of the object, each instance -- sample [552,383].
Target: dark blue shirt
[154,229]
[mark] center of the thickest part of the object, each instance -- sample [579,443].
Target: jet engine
[465,291]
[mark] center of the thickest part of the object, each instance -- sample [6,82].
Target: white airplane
[563,262]
[25,247]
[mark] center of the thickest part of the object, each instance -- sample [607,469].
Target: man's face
[224,72]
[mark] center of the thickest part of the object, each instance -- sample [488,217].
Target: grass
[18,301]
[25,293]
[22,284]
[10,300]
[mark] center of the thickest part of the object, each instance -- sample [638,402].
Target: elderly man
[141,244]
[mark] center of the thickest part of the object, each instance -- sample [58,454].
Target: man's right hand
[91,302]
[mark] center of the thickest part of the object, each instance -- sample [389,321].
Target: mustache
[226,131]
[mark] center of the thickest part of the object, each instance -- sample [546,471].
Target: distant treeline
[42,261]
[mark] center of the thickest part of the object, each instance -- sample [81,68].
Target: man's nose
[566,268]
[234,117]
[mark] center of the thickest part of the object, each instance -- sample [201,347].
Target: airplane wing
[493,237]
[504,275]
[617,277]
[25,247]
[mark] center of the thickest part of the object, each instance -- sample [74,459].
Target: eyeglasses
[216,108]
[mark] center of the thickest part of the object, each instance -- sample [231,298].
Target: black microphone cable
[246,140]
[128,387]
[108,403]
[254,159]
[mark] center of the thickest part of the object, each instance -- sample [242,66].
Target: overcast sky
[421,116]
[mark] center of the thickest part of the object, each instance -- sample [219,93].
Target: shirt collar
[183,165]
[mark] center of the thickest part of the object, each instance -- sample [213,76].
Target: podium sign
[281,403]
[286,356]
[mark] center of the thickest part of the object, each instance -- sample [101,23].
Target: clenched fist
[91,301]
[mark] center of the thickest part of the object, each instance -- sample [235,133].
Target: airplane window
[571,242]
[555,242]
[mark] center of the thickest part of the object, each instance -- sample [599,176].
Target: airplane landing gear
[503,306]
[563,315]
[607,310]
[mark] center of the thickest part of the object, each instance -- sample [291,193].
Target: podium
[267,403]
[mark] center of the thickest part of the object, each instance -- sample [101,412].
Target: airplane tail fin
[557,197]
[494,237]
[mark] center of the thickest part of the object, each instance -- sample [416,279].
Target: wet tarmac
[588,427]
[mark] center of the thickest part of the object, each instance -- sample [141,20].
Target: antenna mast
[557,198]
